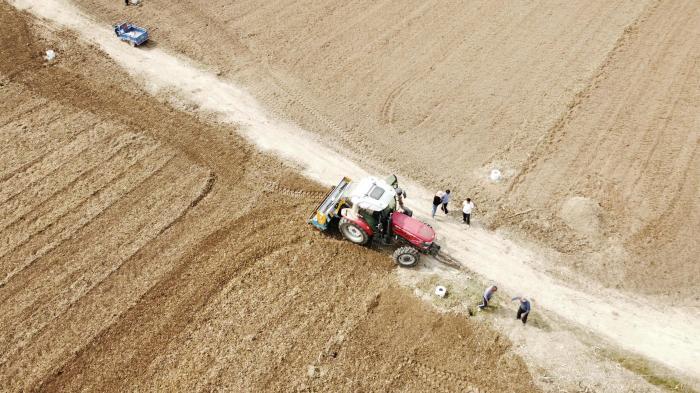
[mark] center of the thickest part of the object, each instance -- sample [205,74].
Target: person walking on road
[467,207]
[488,293]
[437,200]
[445,200]
[523,310]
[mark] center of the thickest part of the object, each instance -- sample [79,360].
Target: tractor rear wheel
[406,256]
[352,231]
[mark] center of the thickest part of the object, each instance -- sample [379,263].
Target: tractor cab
[373,200]
[372,194]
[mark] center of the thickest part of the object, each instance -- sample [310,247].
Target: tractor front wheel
[406,256]
[352,231]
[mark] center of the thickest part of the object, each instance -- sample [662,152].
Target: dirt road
[142,249]
[663,334]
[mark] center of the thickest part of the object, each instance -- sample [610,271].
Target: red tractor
[371,211]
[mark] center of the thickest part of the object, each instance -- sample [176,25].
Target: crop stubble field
[142,249]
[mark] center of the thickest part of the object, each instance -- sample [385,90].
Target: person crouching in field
[488,293]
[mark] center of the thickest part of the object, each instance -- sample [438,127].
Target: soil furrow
[91,208]
[68,336]
[33,313]
[38,192]
[20,160]
[122,156]
[194,282]
[49,163]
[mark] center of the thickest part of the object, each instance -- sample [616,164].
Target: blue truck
[130,33]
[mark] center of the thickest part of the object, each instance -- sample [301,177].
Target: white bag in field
[441,291]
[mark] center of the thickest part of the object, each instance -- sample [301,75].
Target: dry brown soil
[591,109]
[141,249]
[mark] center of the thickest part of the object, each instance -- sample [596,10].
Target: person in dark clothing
[126,2]
[437,200]
[445,200]
[523,310]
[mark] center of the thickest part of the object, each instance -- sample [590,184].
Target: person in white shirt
[467,207]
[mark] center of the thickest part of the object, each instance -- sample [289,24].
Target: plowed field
[142,249]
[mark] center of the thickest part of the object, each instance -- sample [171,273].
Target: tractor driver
[400,195]
[384,225]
